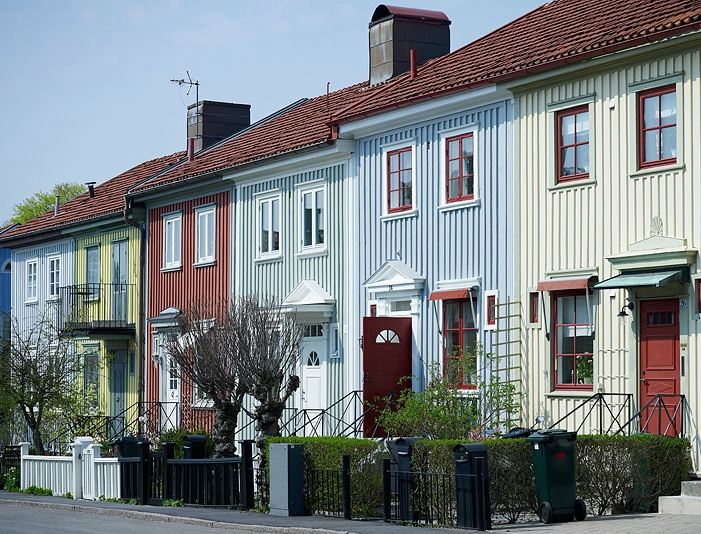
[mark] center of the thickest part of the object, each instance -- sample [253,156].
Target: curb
[164,518]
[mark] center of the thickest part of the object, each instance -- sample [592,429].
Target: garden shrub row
[615,474]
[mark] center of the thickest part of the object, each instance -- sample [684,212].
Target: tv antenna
[191,84]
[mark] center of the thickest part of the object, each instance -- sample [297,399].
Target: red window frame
[575,146]
[491,310]
[655,129]
[464,179]
[586,357]
[460,343]
[396,190]
[533,301]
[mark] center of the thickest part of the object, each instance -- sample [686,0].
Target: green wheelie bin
[554,468]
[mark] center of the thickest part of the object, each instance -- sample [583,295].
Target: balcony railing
[98,307]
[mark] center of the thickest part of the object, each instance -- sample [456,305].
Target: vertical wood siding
[578,227]
[441,245]
[189,284]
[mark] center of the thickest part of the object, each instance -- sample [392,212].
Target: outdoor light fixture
[622,314]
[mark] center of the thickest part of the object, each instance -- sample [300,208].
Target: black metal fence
[153,477]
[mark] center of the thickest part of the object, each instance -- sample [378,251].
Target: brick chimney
[209,122]
[394,31]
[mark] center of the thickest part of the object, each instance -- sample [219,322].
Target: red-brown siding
[186,285]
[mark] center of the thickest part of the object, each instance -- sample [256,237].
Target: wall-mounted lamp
[623,314]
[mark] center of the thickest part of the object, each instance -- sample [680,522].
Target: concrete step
[680,504]
[691,488]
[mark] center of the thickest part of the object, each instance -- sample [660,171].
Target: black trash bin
[194,447]
[554,468]
[126,447]
[405,479]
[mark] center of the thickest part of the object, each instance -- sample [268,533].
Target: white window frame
[53,277]
[443,136]
[205,249]
[415,188]
[312,189]
[172,241]
[32,280]
[262,200]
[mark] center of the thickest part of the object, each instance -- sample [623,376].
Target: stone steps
[689,502]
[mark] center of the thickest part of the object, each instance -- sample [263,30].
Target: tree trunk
[225,420]
[38,442]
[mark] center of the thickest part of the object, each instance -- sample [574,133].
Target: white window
[172,240]
[205,234]
[313,218]
[32,272]
[269,235]
[54,276]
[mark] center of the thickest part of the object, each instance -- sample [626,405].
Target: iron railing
[614,413]
[91,307]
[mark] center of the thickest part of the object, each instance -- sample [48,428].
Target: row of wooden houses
[533,193]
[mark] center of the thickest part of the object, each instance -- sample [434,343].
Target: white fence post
[24,448]
[77,470]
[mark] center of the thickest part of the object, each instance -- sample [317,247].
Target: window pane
[567,132]
[406,178]
[393,162]
[454,168]
[467,186]
[565,370]
[468,319]
[394,181]
[582,159]
[669,142]
[320,217]
[406,159]
[651,112]
[307,219]
[567,162]
[452,315]
[651,150]
[453,190]
[453,148]
[265,227]
[668,105]
[582,127]
[394,199]
[565,310]
[468,146]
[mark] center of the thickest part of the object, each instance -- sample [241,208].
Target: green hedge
[177,436]
[365,465]
[619,474]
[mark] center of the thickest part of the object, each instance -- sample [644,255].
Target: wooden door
[659,366]
[386,360]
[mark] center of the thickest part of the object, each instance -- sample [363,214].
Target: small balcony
[95,309]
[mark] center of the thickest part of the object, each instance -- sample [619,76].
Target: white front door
[314,357]
[170,393]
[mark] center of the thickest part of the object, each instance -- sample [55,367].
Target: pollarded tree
[205,353]
[268,340]
[40,369]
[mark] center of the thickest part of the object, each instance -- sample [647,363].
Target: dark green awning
[632,279]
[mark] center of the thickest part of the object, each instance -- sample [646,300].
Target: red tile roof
[299,127]
[108,200]
[557,33]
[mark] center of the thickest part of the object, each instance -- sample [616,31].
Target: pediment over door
[395,276]
[655,252]
[311,301]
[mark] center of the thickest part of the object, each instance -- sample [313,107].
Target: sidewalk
[257,522]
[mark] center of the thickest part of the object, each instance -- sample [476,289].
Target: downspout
[141,313]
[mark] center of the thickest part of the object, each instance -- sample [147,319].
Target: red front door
[659,366]
[386,360]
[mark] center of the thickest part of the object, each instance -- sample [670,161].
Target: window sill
[204,404]
[31,302]
[208,263]
[312,253]
[171,269]
[570,393]
[648,171]
[268,259]
[572,184]
[451,206]
[399,215]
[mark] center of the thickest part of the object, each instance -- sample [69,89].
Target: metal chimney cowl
[394,31]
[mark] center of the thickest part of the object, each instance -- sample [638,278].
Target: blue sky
[85,83]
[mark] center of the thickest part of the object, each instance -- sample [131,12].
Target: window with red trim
[573,144]
[399,180]
[460,343]
[657,126]
[459,165]
[491,310]
[533,301]
[698,295]
[574,343]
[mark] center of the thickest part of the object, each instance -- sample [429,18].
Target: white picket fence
[85,474]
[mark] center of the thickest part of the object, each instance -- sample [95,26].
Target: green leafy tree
[42,202]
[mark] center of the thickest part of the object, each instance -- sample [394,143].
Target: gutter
[141,321]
